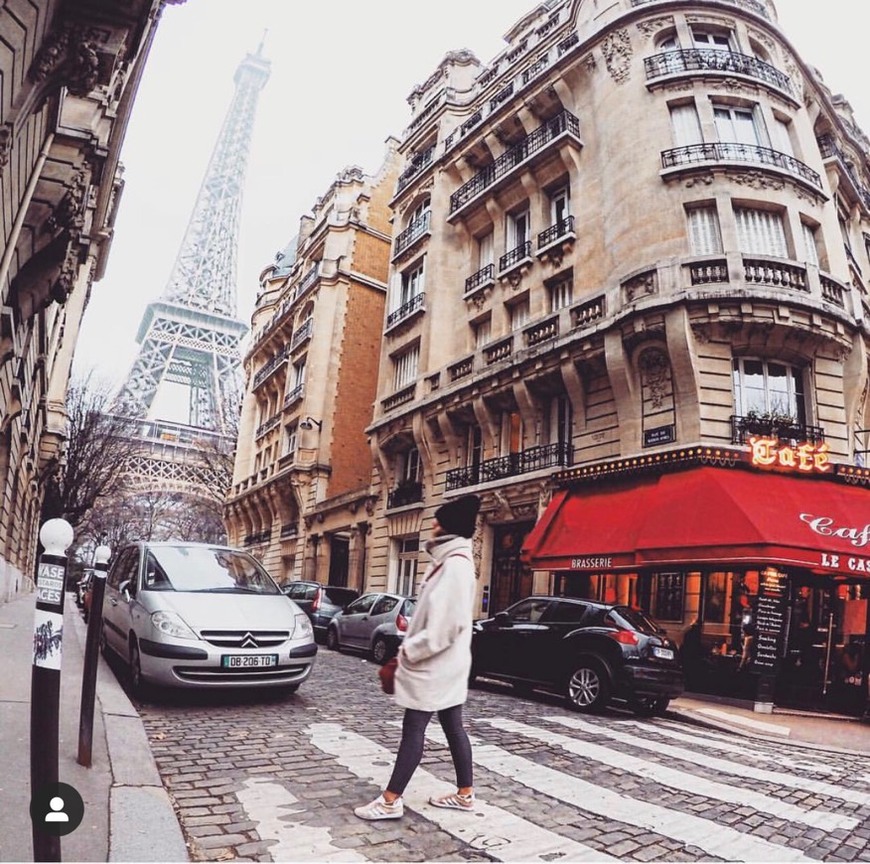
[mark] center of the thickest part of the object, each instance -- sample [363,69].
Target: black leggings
[411,749]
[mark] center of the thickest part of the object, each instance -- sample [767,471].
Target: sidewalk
[824,732]
[128,814]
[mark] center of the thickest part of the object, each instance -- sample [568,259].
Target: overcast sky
[341,74]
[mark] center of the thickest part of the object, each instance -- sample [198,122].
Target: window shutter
[687,127]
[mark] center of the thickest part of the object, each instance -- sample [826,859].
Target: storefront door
[511,580]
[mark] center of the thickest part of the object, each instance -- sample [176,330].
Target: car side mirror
[502,619]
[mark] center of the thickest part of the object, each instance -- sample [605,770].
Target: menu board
[770,618]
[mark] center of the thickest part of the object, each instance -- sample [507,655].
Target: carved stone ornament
[71,51]
[640,286]
[655,370]
[616,48]
[70,211]
[5,145]
[589,62]
[735,85]
[701,332]
[700,180]
[652,26]
[758,180]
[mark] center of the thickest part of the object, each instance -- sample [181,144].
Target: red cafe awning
[705,515]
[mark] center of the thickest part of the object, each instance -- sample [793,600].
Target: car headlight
[172,624]
[302,626]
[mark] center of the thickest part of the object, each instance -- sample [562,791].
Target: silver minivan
[201,615]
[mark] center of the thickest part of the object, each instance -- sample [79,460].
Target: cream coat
[435,659]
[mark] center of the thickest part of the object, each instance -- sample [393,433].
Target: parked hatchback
[319,602]
[375,622]
[590,652]
[198,615]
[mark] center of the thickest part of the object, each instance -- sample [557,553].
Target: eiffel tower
[189,361]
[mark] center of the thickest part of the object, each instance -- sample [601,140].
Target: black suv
[586,650]
[319,602]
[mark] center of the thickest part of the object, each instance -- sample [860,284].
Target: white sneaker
[379,809]
[453,802]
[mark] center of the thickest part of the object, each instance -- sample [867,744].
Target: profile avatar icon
[56,814]
[56,809]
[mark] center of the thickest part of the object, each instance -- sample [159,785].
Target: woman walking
[435,661]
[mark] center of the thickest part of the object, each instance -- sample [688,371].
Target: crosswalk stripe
[268,804]
[680,780]
[714,839]
[778,778]
[500,834]
[726,745]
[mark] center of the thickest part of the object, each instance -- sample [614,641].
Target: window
[811,250]
[560,206]
[361,604]
[559,421]
[528,611]
[511,432]
[405,367]
[518,229]
[564,612]
[668,596]
[519,313]
[686,125]
[716,41]
[473,447]
[409,469]
[761,232]
[384,604]
[420,211]
[561,293]
[406,580]
[781,137]
[768,387]
[412,285]
[485,250]
[715,593]
[739,125]
[704,235]
[299,373]
[290,437]
[482,332]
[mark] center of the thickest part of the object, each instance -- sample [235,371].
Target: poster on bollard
[770,620]
[47,639]
[49,584]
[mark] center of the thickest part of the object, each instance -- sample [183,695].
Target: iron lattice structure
[191,336]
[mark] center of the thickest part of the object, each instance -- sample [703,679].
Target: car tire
[380,651]
[587,687]
[650,706]
[332,639]
[104,643]
[137,682]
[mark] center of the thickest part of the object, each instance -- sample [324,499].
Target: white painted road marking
[500,834]
[714,839]
[680,780]
[268,804]
[820,787]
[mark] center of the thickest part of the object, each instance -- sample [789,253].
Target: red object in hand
[387,674]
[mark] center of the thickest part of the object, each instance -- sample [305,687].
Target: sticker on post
[49,584]
[47,639]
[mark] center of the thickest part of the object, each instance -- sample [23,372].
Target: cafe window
[715,594]
[668,596]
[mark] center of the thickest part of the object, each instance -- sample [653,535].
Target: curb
[142,821]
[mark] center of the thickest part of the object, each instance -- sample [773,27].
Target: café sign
[806,458]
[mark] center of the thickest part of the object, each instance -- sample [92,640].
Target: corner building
[300,499]
[70,72]
[628,307]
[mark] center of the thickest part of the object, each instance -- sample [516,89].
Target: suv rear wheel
[587,687]
[380,651]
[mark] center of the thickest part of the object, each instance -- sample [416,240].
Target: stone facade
[301,498]
[639,223]
[70,73]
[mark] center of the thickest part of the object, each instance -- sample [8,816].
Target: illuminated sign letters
[806,457]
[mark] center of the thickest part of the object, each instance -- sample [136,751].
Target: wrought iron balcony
[756,6]
[409,492]
[560,230]
[773,426]
[307,281]
[713,60]
[270,366]
[419,163]
[291,529]
[829,149]
[301,333]
[406,310]
[294,395]
[562,123]
[559,455]
[484,276]
[417,229]
[732,151]
[515,256]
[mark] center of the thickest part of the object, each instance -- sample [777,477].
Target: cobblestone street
[257,777]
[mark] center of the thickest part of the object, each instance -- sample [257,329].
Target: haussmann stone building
[70,70]
[628,308]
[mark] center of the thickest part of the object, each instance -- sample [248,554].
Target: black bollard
[55,535]
[92,648]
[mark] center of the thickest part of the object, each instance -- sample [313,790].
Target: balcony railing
[833,291]
[483,277]
[417,229]
[557,455]
[565,122]
[500,351]
[782,428]
[536,68]
[270,366]
[419,163]
[307,281]
[829,149]
[756,6]
[302,332]
[708,272]
[542,331]
[291,529]
[760,271]
[732,151]
[515,256]
[561,229]
[461,369]
[400,397]
[294,395]
[254,539]
[406,309]
[404,494]
[711,60]
[588,312]
[268,426]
